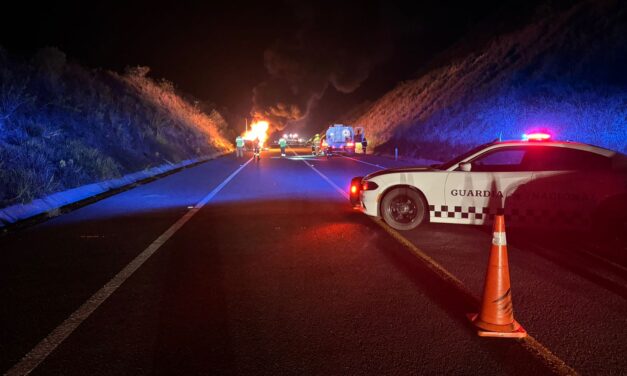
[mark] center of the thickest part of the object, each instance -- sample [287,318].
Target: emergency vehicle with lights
[533,182]
[341,139]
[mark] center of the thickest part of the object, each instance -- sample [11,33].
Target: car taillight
[350,144]
[369,186]
[354,190]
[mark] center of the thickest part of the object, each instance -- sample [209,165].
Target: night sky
[283,59]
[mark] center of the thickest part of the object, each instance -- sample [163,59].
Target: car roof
[563,144]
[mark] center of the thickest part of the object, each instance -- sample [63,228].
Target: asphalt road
[264,268]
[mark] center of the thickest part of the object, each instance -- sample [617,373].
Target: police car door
[567,185]
[475,196]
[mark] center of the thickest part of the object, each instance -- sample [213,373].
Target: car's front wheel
[403,209]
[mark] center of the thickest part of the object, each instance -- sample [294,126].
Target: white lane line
[529,343]
[43,349]
[338,189]
[323,176]
[360,161]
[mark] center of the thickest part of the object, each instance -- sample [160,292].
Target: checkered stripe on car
[527,215]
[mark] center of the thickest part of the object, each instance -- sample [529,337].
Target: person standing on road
[257,149]
[364,144]
[239,143]
[316,144]
[282,145]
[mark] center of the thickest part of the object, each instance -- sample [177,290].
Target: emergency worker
[257,149]
[282,145]
[316,144]
[239,143]
[364,144]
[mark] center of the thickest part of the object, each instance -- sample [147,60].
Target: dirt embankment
[64,126]
[564,73]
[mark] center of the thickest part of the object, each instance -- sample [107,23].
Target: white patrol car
[532,182]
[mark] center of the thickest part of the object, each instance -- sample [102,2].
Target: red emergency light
[354,190]
[350,144]
[537,136]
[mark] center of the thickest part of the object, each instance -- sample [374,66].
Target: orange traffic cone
[496,318]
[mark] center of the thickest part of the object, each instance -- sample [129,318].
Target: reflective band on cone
[496,318]
[499,238]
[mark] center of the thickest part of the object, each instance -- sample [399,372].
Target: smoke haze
[330,49]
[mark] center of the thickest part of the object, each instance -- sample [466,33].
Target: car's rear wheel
[403,209]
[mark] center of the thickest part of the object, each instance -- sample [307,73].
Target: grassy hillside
[564,73]
[62,125]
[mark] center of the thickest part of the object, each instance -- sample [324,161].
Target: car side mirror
[465,166]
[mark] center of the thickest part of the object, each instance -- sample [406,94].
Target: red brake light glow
[353,189]
[350,144]
[538,136]
[369,186]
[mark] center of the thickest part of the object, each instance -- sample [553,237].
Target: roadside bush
[62,126]
[565,73]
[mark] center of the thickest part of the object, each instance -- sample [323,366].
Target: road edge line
[546,356]
[529,343]
[22,224]
[46,346]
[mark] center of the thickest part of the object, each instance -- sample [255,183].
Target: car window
[548,158]
[500,160]
[459,158]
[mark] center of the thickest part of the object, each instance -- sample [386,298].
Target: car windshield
[456,160]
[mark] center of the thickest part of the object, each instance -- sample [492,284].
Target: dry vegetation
[565,72]
[62,126]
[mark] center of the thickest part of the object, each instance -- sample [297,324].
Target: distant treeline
[62,125]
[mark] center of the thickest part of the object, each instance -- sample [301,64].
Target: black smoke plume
[336,45]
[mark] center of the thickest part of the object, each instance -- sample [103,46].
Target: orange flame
[258,129]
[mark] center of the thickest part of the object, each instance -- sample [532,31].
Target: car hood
[397,170]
